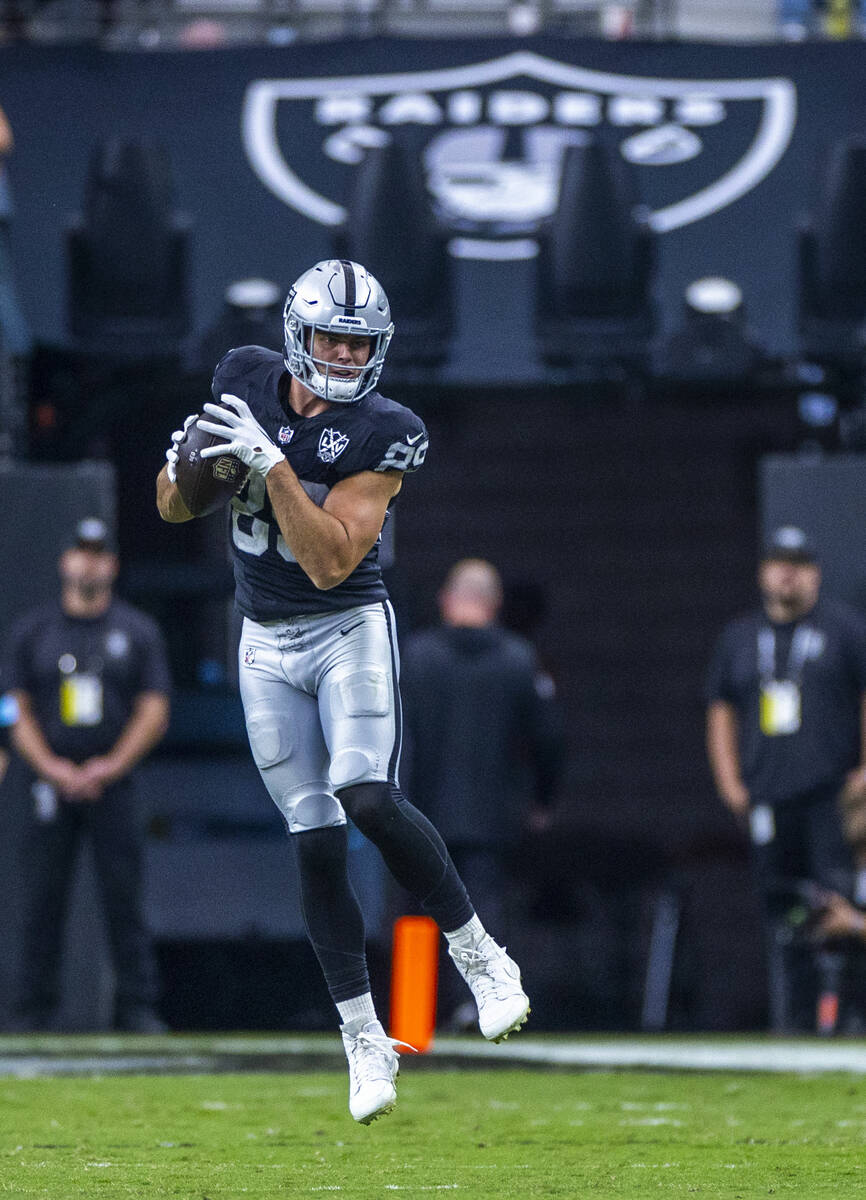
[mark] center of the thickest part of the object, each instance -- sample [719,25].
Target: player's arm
[330,541]
[327,542]
[724,755]
[168,500]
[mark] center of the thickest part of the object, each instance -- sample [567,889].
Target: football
[206,484]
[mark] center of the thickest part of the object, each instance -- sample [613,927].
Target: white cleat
[373,1067]
[494,978]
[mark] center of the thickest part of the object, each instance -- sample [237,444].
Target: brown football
[206,484]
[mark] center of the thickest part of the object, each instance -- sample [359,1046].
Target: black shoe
[139,1020]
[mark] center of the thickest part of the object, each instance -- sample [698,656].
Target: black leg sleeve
[332,916]
[413,851]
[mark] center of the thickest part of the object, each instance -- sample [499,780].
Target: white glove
[244,436]
[171,452]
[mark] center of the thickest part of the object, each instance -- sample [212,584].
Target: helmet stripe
[349,277]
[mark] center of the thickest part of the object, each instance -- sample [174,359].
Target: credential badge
[332,443]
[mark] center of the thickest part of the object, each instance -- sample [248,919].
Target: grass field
[500,1133]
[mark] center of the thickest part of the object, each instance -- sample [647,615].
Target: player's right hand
[171,452]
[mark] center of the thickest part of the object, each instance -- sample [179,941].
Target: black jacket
[484,732]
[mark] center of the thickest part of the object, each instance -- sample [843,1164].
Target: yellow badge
[81,700]
[780,708]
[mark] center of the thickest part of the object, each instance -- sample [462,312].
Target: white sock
[469,936]
[358,1006]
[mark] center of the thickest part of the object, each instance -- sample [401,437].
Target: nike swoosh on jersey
[412,440]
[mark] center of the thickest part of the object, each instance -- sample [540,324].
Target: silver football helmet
[336,296]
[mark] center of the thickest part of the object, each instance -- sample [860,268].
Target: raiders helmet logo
[722,136]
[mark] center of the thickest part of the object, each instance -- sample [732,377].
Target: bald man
[484,738]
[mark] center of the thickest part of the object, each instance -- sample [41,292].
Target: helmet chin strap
[334,389]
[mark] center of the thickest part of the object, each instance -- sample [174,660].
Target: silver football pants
[322,707]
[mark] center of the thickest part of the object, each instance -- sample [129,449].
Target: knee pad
[270,739]
[355,764]
[306,808]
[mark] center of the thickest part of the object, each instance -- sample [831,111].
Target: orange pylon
[414,976]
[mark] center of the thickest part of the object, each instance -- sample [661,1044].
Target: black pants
[808,845]
[116,827]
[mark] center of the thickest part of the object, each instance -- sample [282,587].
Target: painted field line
[669,1054]
[25,1057]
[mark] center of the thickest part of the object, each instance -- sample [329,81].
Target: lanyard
[804,644]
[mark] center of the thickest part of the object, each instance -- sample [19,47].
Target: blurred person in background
[785,734]
[90,680]
[8,717]
[839,918]
[14,333]
[485,743]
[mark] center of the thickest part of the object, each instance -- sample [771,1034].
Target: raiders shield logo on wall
[491,137]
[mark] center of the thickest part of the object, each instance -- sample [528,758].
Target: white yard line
[25,1057]
[664,1053]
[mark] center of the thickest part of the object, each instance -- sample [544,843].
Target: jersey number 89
[256,538]
[402,457]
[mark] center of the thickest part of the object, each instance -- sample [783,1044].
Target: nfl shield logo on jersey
[332,443]
[285,434]
[249,655]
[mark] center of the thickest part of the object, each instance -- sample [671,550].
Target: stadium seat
[127,257]
[832,265]
[712,348]
[594,307]
[392,229]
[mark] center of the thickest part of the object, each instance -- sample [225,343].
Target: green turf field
[502,1133]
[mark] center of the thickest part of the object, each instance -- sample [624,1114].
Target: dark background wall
[639,524]
[636,511]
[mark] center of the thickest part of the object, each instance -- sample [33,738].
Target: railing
[154,24]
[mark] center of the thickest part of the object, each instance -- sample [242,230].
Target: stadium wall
[726,144]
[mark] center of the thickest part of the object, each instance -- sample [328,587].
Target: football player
[318,652]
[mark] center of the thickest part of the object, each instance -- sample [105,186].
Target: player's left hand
[244,436]
[171,452]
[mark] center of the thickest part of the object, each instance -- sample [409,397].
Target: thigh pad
[362,691]
[270,734]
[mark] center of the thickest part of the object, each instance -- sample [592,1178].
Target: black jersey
[824,655]
[83,674]
[371,434]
